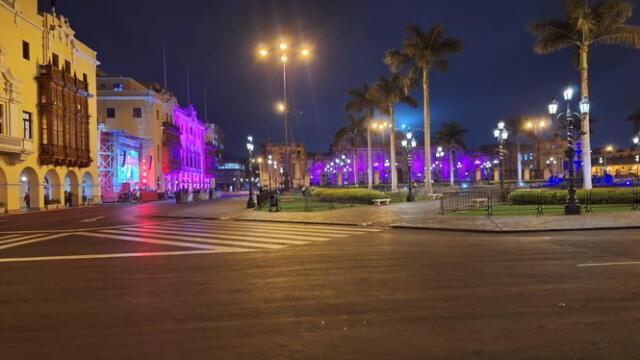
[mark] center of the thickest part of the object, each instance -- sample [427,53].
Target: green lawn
[505,210]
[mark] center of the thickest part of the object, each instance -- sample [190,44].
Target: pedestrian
[64,199]
[70,199]
[27,200]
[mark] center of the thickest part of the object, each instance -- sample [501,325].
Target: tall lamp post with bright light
[636,142]
[409,143]
[284,50]
[569,118]
[439,159]
[250,203]
[501,134]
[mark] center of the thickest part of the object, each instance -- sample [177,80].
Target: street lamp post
[501,134]
[269,164]
[409,144]
[250,203]
[636,142]
[439,157]
[285,55]
[571,207]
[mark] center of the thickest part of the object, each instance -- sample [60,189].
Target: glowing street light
[250,203]
[501,134]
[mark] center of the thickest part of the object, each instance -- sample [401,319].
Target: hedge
[559,197]
[359,196]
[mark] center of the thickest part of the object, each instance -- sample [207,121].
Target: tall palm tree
[451,136]
[361,102]
[634,119]
[422,51]
[387,92]
[516,125]
[354,131]
[605,22]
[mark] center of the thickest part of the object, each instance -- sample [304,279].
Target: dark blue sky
[497,75]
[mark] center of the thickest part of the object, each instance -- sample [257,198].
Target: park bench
[436,196]
[378,202]
[479,202]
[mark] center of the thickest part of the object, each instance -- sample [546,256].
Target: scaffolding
[107,166]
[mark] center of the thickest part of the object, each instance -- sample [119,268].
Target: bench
[479,202]
[378,202]
[435,196]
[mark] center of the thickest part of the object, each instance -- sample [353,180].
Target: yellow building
[140,110]
[48,127]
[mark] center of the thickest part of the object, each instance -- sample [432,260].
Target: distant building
[48,128]
[298,168]
[140,110]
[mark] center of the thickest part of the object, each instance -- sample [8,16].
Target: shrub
[358,196]
[559,197]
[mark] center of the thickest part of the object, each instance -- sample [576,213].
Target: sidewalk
[424,215]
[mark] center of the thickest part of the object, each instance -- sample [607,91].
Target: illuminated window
[137,113]
[117,87]
[26,123]
[26,51]
[111,112]
[55,60]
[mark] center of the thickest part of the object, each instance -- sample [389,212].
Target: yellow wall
[24,23]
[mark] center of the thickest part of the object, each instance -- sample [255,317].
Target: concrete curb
[512,231]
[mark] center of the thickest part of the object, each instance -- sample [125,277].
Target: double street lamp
[250,203]
[284,49]
[569,118]
[501,134]
[409,143]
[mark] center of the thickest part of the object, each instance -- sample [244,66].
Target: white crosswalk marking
[223,236]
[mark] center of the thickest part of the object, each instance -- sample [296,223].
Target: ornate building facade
[48,122]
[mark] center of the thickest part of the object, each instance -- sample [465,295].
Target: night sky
[497,75]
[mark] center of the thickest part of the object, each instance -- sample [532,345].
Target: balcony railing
[19,149]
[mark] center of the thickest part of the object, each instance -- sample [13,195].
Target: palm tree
[361,102]
[605,22]
[422,51]
[516,125]
[634,119]
[387,92]
[451,136]
[354,131]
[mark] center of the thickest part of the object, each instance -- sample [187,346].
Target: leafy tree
[387,92]
[421,52]
[451,136]
[634,119]
[354,132]
[604,22]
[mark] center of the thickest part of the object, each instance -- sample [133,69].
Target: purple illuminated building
[185,164]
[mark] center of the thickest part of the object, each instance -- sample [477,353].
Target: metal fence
[494,201]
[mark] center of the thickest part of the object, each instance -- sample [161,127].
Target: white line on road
[93,219]
[106,256]
[17,237]
[239,230]
[37,239]
[213,233]
[610,264]
[148,240]
[211,240]
[274,228]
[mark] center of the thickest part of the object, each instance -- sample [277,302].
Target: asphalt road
[175,290]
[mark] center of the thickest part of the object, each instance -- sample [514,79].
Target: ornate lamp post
[501,134]
[250,203]
[409,144]
[439,156]
[571,207]
[269,164]
[636,142]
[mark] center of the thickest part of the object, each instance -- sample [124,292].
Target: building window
[111,112]
[137,113]
[117,87]
[55,60]
[67,66]
[1,118]
[26,123]
[26,52]
[157,114]
[85,79]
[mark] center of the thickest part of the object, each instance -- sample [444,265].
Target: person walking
[70,199]
[27,200]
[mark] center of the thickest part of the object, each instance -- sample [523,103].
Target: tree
[634,119]
[516,125]
[605,22]
[451,136]
[354,132]
[422,51]
[361,102]
[387,92]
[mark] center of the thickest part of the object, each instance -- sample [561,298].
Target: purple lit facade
[184,144]
[337,167]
